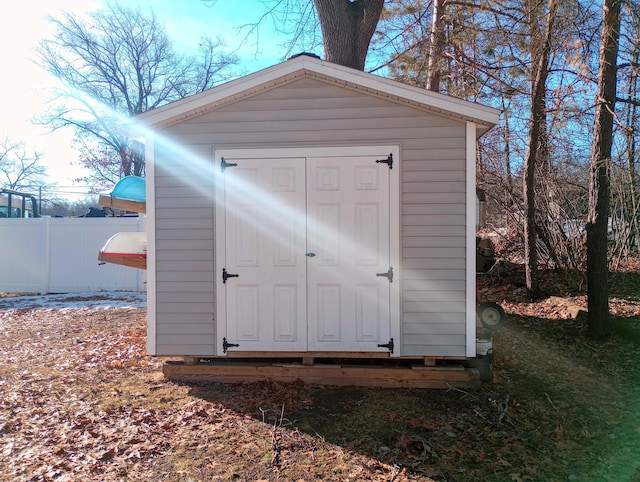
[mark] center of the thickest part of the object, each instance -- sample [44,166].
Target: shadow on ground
[559,407]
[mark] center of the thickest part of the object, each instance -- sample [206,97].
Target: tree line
[559,171]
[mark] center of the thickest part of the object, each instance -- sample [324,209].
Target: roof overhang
[310,67]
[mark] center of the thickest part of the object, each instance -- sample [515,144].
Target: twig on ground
[274,438]
[553,405]
[395,473]
[505,409]
[456,389]
[477,412]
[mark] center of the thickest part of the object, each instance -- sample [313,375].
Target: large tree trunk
[600,168]
[347,27]
[537,146]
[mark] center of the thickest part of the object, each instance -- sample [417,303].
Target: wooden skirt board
[224,371]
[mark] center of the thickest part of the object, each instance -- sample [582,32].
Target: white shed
[311,210]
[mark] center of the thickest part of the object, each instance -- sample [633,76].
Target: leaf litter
[80,399]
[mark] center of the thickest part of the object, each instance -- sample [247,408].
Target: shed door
[265,247]
[348,231]
[308,239]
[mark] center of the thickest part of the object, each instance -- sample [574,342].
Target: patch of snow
[92,300]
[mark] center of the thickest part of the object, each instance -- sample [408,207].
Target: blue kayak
[130,188]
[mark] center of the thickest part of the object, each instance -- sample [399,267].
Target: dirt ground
[80,400]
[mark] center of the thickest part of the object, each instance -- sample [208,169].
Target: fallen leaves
[81,400]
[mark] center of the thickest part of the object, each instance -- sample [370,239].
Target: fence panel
[60,255]
[22,245]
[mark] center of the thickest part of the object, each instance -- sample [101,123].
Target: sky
[26,88]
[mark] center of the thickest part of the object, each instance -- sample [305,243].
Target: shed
[312,210]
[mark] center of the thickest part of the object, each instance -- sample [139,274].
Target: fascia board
[222,94]
[391,89]
[308,66]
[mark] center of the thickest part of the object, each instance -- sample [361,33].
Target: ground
[80,400]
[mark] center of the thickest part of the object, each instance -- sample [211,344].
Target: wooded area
[559,173]
[495,53]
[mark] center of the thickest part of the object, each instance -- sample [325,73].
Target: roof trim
[306,66]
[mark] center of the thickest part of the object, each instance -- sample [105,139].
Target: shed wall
[311,113]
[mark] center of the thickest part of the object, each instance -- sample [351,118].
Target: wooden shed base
[331,374]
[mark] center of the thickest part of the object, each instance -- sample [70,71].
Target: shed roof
[305,66]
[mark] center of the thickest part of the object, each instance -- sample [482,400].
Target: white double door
[306,248]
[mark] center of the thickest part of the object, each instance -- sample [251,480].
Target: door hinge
[388,161]
[224,164]
[226,345]
[389,346]
[226,276]
[388,274]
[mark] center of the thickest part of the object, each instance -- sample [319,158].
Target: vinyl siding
[311,113]
[184,254]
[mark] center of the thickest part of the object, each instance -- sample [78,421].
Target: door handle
[310,255]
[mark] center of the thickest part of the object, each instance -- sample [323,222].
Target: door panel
[265,246]
[348,229]
[328,319]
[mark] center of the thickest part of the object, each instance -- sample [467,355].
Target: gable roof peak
[310,65]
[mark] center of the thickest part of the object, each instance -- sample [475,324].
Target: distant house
[310,209]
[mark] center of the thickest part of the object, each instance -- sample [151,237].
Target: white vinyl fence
[60,255]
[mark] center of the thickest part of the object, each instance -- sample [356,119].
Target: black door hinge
[388,161]
[226,276]
[389,346]
[388,275]
[226,345]
[224,164]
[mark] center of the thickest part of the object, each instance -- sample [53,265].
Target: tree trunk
[600,168]
[347,27]
[632,120]
[536,147]
[436,45]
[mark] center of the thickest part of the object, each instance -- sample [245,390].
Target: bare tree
[537,147]
[19,169]
[116,64]
[106,167]
[600,169]
[347,26]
